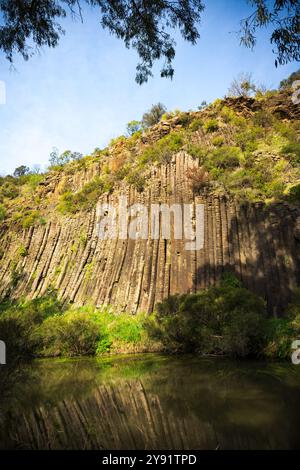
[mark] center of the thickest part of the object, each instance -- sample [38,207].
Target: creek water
[151,402]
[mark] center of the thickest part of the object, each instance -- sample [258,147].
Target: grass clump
[121,332]
[196,124]
[292,152]
[28,218]
[87,197]
[136,179]
[8,188]
[22,251]
[2,212]
[211,125]
[228,115]
[198,152]
[32,180]
[218,141]
[162,150]
[224,158]
[293,193]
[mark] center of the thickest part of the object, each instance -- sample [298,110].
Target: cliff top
[245,147]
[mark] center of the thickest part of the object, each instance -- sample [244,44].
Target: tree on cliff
[144,25]
[57,159]
[21,171]
[288,82]
[153,116]
[243,85]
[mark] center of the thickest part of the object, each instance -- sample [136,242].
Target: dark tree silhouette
[145,25]
[283,17]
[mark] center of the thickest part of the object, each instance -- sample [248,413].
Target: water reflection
[153,402]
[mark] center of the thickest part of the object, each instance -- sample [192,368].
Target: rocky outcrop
[280,104]
[259,243]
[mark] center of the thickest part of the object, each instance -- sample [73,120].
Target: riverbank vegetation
[226,320]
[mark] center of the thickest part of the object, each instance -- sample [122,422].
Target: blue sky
[81,94]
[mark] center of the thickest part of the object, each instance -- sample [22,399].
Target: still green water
[151,402]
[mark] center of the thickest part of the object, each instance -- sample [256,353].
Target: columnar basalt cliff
[259,242]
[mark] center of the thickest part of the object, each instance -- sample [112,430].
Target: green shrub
[196,124]
[30,218]
[198,152]
[280,335]
[184,119]
[71,334]
[263,119]
[136,179]
[2,212]
[218,141]
[32,180]
[17,338]
[275,188]
[292,152]
[149,155]
[211,125]
[227,114]
[27,218]
[20,320]
[87,197]
[294,193]
[248,139]
[225,157]
[286,129]
[66,204]
[22,251]
[162,150]
[9,189]
[122,172]
[241,178]
[226,319]
[170,144]
[46,327]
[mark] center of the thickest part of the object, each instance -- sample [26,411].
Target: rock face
[259,244]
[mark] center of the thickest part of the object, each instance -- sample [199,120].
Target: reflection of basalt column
[121,417]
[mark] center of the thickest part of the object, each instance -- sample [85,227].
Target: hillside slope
[239,157]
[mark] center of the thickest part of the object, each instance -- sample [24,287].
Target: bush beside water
[226,319]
